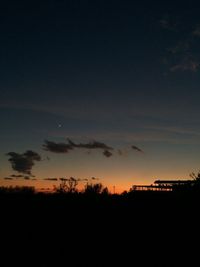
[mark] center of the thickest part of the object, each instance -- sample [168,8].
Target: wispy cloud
[107,153]
[168,23]
[186,65]
[120,152]
[181,56]
[196,31]
[64,179]
[180,47]
[137,148]
[94,178]
[50,179]
[17,176]
[26,177]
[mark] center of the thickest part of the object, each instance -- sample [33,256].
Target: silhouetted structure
[166,185]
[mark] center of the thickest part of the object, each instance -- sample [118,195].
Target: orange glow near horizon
[115,182]
[42,185]
[117,174]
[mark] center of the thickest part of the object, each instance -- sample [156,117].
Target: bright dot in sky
[59,125]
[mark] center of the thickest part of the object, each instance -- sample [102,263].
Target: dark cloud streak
[17,176]
[50,179]
[90,145]
[57,147]
[137,149]
[107,153]
[66,147]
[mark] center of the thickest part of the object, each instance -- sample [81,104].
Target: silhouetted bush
[94,189]
[67,186]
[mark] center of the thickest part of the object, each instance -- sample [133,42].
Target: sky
[104,89]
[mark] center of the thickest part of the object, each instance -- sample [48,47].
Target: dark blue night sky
[119,72]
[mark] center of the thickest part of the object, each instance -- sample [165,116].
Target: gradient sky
[119,72]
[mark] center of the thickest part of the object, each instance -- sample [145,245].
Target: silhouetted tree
[124,193]
[105,191]
[196,179]
[95,189]
[67,186]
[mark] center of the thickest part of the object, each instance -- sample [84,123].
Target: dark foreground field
[138,229]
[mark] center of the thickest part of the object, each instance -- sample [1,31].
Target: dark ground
[139,229]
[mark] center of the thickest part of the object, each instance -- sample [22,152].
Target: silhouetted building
[165,185]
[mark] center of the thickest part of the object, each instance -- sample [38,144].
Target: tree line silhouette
[70,186]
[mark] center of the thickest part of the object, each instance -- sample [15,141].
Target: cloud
[196,31]
[94,178]
[167,23]
[50,179]
[8,178]
[186,65]
[63,179]
[90,145]
[107,153]
[124,151]
[57,147]
[183,57]
[120,152]
[26,177]
[183,54]
[93,145]
[23,163]
[17,176]
[137,149]
[72,179]
[180,47]
[66,147]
